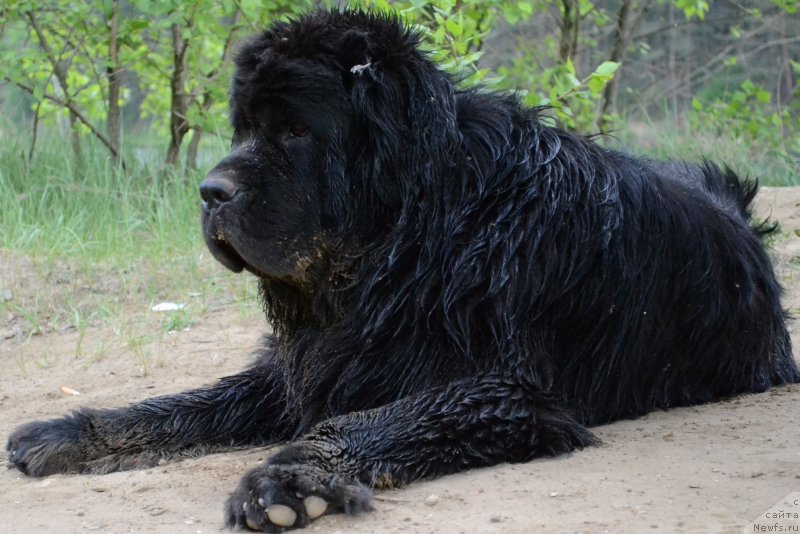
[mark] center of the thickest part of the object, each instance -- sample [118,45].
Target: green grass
[94,213]
[763,158]
[87,242]
[93,210]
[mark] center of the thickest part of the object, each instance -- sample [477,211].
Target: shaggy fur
[451,283]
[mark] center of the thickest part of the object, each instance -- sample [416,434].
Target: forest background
[111,111]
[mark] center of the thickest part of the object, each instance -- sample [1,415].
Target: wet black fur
[451,283]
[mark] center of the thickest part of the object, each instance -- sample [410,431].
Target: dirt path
[712,468]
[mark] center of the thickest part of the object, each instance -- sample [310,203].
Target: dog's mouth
[220,248]
[225,247]
[224,253]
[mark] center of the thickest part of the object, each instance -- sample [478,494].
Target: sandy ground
[712,468]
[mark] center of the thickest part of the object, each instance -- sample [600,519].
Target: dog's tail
[735,192]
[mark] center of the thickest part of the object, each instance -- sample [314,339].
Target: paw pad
[315,506]
[281,515]
[279,497]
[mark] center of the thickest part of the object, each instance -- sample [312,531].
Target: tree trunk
[178,124]
[191,151]
[74,136]
[786,84]
[672,65]
[114,75]
[208,101]
[623,30]
[570,19]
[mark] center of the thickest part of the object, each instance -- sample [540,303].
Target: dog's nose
[217,188]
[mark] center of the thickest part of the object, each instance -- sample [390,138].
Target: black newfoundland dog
[451,284]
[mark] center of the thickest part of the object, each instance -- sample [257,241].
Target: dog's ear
[353,53]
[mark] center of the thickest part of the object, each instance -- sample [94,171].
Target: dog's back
[684,306]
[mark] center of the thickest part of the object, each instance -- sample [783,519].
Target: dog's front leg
[247,408]
[468,423]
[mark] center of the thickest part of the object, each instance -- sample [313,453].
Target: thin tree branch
[60,71]
[35,134]
[72,109]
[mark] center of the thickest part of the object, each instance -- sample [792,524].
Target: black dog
[451,284]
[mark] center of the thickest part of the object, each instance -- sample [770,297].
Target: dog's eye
[297,130]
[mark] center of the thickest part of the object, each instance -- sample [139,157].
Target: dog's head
[327,114]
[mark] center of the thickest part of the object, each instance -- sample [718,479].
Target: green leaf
[763,95]
[454,27]
[38,93]
[570,66]
[382,5]
[606,69]
[510,15]
[573,81]
[596,85]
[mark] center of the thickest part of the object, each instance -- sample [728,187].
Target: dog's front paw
[42,448]
[281,496]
